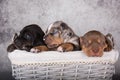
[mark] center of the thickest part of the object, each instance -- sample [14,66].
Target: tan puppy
[94,43]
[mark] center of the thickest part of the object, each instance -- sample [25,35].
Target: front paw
[35,50]
[39,49]
[65,47]
[108,49]
[60,49]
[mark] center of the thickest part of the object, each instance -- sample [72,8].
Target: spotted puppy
[94,43]
[59,36]
[30,36]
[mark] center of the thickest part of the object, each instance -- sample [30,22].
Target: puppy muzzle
[51,41]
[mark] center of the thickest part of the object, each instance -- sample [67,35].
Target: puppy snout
[96,50]
[44,38]
[47,39]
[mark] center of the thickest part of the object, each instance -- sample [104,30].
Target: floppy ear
[83,42]
[82,39]
[109,42]
[15,36]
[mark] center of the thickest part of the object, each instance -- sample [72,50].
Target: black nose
[96,50]
[44,38]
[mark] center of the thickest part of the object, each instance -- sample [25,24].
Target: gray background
[80,15]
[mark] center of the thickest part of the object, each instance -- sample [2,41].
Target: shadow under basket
[53,65]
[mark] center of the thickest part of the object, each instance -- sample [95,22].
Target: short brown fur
[94,43]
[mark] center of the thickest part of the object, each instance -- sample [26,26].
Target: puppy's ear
[82,40]
[15,36]
[109,42]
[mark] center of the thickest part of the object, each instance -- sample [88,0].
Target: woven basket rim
[89,60]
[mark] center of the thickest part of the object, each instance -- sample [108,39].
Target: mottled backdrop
[81,15]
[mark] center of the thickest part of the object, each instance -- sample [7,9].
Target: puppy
[93,43]
[29,37]
[59,36]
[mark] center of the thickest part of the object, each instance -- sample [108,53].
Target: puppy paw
[34,50]
[65,47]
[60,49]
[39,49]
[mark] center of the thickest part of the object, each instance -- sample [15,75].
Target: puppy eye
[27,37]
[98,41]
[55,31]
[89,41]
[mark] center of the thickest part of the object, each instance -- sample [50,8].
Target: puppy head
[57,33]
[93,43]
[22,42]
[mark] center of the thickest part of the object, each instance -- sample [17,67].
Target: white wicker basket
[53,65]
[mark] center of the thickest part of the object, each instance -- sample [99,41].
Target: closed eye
[98,41]
[28,37]
[89,41]
[55,31]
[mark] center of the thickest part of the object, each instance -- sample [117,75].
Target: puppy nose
[95,50]
[44,38]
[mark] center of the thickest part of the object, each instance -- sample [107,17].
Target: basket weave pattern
[64,71]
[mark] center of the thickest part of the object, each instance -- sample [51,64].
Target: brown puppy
[60,37]
[94,43]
